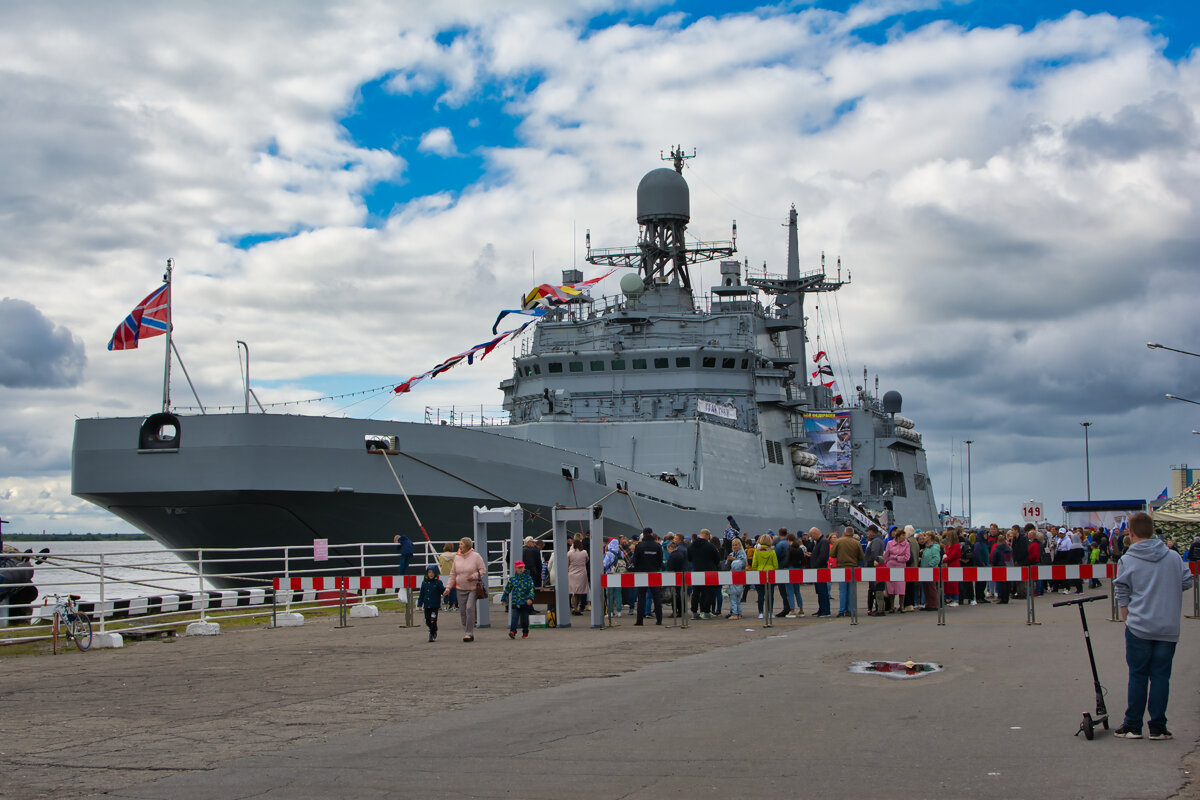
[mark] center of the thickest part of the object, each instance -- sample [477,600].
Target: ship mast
[789,295]
[662,255]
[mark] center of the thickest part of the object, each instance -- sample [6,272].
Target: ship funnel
[892,402]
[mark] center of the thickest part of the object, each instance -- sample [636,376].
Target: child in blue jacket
[430,599]
[519,593]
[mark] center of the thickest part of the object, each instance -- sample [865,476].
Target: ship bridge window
[745,363]
[597,366]
[639,363]
[554,367]
[618,364]
[661,363]
[709,362]
[537,369]
[576,366]
[728,363]
[888,482]
[683,362]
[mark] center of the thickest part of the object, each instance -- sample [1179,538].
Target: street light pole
[970,507]
[1087,458]
[1157,346]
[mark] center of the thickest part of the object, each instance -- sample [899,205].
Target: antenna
[677,157]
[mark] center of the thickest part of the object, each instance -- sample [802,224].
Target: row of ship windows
[618,364]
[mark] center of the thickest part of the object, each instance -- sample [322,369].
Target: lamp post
[970,516]
[1157,346]
[1087,458]
[1181,399]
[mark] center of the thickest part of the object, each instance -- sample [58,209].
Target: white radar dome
[631,284]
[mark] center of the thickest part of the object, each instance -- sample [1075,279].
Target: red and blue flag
[148,319]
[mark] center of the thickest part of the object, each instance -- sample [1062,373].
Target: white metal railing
[143,590]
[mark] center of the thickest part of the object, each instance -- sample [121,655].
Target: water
[130,569]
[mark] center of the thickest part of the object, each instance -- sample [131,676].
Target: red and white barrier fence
[625,580]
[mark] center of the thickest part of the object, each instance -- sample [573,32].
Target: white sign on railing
[716,409]
[320,549]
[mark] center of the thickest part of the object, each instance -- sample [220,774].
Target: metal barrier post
[853,595]
[200,573]
[408,605]
[342,613]
[685,592]
[1030,613]
[1195,597]
[1112,591]
[769,604]
[102,592]
[939,579]
[274,607]
[287,567]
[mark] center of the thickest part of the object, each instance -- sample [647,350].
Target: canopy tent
[1179,518]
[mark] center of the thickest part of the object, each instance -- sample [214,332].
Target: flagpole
[167,364]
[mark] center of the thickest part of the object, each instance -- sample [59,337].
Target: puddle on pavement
[896,669]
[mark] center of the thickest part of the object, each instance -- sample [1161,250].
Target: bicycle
[73,622]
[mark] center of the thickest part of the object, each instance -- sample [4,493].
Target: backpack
[620,565]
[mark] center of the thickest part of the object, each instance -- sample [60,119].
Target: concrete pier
[723,708]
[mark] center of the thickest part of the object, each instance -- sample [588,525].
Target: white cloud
[439,141]
[1017,207]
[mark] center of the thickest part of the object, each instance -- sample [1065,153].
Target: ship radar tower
[662,255]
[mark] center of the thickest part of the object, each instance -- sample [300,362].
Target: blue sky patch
[396,122]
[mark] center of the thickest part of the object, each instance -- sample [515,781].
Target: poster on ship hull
[829,440]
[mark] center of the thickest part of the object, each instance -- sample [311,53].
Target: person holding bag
[468,575]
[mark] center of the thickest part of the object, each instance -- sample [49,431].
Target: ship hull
[273,481]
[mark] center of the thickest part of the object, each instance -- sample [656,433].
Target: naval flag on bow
[148,319]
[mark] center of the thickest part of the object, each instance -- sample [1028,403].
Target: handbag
[481,591]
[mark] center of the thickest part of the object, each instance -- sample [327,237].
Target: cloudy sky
[355,189]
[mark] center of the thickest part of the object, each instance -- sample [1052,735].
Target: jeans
[1149,668]
[843,597]
[794,591]
[612,599]
[822,599]
[735,600]
[431,616]
[519,614]
[644,596]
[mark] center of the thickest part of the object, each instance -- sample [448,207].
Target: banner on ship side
[716,409]
[829,440]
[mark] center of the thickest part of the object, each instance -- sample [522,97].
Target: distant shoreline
[76,537]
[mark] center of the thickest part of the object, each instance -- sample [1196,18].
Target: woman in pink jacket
[467,572]
[896,554]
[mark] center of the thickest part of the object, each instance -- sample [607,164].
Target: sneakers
[799,613]
[781,614]
[512,634]
[525,634]
[1126,732]
[951,605]
[974,603]
[1159,735]
[791,616]
[760,616]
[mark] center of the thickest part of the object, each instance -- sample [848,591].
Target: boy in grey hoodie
[1151,580]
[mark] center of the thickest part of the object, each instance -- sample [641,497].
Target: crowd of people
[738,550]
[906,546]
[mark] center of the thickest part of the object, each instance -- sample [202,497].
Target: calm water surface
[130,569]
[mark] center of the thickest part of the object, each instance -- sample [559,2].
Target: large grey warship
[695,408]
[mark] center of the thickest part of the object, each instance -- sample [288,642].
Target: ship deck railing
[466,416]
[141,588]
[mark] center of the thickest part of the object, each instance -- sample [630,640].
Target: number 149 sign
[1032,511]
